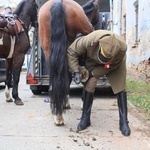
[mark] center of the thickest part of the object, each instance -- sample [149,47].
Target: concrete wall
[124,21]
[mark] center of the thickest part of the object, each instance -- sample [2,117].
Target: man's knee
[91,85]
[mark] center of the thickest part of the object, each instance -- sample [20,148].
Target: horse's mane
[88,7]
[19,7]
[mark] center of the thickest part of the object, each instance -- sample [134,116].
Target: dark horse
[59,23]
[14,47]
[91,9]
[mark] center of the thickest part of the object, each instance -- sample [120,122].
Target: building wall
[124,23]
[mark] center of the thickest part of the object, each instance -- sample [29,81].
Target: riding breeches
[90,85]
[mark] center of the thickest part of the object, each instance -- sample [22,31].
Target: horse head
[27,12]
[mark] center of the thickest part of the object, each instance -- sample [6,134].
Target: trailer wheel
[36,92]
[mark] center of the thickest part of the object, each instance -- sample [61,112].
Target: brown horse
[59,23]
[13,47]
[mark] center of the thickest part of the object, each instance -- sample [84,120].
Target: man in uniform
[105,55]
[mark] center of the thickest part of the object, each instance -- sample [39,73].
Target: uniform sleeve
[75,50]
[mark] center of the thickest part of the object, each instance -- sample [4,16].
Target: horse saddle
[10,24]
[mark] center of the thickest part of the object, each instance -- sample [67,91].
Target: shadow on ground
[99,93]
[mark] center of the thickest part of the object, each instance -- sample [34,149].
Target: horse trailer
[37,73]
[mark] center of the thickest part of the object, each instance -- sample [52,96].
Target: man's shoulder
[101,32]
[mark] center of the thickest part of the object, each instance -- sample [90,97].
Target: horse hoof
[58,121]
[19,103]
[57,124]
[9,100]
[67,107]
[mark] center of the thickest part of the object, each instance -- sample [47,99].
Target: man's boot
[123,110]
[86,112]
[82,98]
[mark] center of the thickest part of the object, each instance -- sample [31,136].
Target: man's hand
[76,77]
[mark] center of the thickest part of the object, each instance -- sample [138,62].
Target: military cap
[109,48]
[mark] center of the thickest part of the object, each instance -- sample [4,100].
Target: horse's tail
[58,59]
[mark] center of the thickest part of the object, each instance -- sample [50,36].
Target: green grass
[139,95]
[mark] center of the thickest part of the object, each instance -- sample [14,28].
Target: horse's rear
[75,21]
[59,23]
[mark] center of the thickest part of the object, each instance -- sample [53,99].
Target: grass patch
[139,94]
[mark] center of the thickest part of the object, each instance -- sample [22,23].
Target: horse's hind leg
[67,105]
[8,80]
[17,65]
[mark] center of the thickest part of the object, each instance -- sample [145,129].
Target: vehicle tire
[36,92]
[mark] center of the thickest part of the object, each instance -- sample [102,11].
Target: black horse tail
[58,59]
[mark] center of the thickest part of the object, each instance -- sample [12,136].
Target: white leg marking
[7,93]
[58,120]
[68,102]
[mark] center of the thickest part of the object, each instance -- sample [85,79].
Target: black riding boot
[87,105]
[122,106]
[83,95]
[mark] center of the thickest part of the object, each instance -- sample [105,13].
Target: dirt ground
[31,126]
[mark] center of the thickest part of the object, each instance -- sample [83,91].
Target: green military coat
[90,44]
